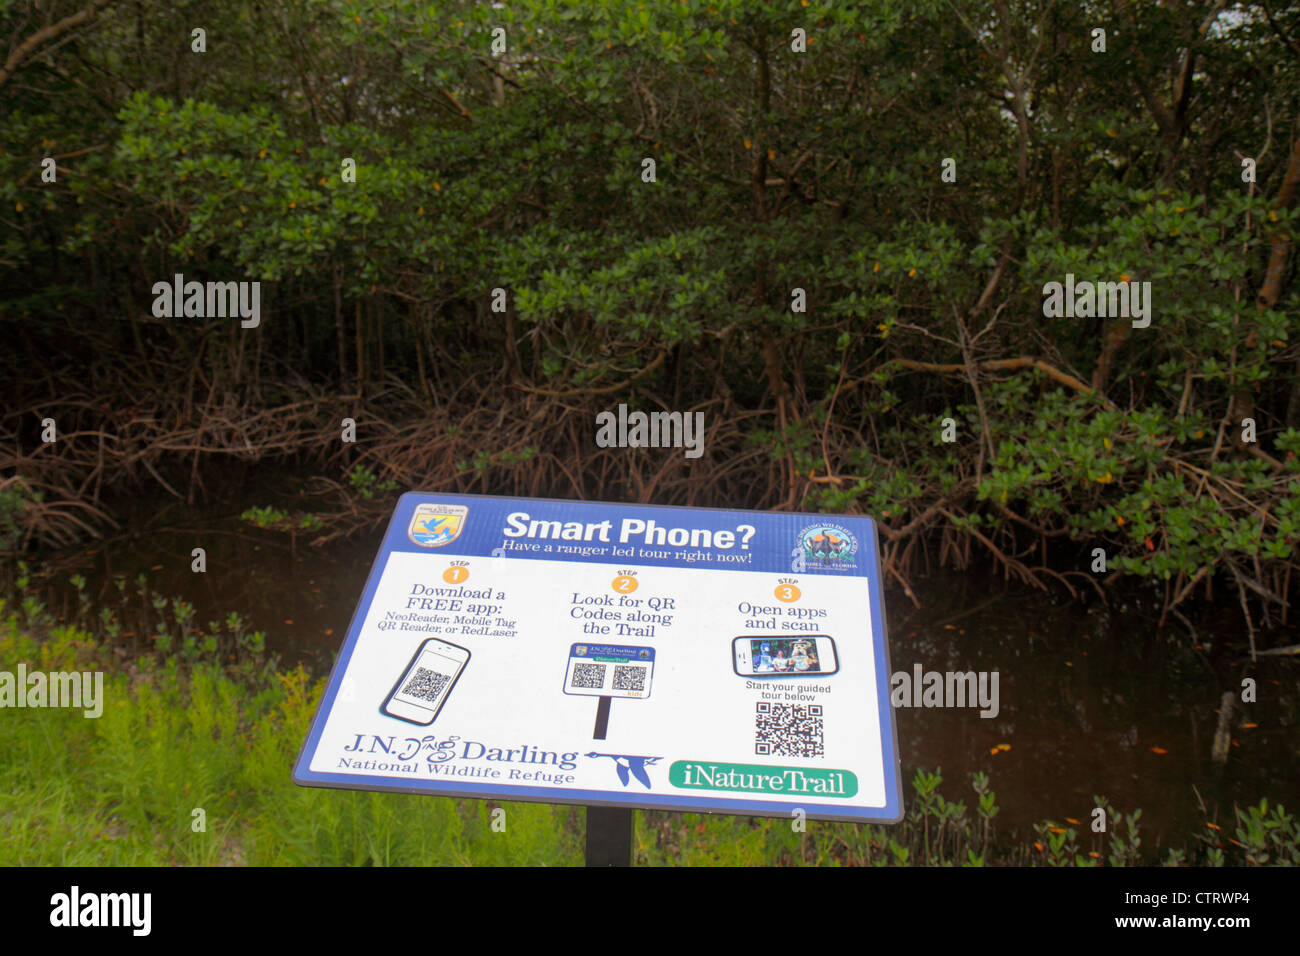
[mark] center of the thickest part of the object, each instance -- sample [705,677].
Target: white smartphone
[423,688]
[789,655]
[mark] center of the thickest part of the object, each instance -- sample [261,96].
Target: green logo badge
[752,778]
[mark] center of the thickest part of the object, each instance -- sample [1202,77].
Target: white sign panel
[617,655]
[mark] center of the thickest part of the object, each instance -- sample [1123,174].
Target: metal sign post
[609,836]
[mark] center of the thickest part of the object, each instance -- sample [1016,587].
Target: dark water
[1093,700]
[1098,701]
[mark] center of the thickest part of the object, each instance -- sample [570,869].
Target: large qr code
[425,684]
[788,730]
[629,677]
[588,676]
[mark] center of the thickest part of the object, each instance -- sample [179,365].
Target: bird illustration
[625,764]
[826,543]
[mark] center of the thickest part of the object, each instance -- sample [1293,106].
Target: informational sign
[617,655]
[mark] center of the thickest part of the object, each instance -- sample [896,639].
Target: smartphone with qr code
[788,655]
[424,686]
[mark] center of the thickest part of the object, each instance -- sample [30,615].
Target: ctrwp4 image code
[425,684]
[788,730]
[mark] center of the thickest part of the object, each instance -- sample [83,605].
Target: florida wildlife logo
[829,546]
[432,526]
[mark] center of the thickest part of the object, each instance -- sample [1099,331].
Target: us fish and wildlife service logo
[828,547]
[432,526]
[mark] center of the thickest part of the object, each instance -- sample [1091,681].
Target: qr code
[425,684]
[629,677]
[788,730]
[589,676]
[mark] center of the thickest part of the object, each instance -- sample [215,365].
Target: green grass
[181,734]
[123,789]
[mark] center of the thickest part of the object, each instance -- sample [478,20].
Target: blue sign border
[395,539]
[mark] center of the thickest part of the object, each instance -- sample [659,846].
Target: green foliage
[15,501]
[275,518]
[484,460]
[365,483]
[1268,837]
[939,832]
[775,170]
[179,734]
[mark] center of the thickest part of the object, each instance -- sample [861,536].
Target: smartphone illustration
[424,686]
[789,655]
